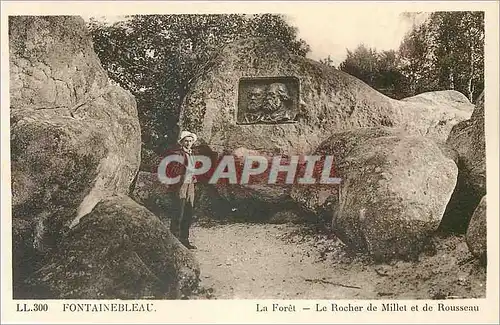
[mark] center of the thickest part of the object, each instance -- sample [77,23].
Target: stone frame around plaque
[268,100]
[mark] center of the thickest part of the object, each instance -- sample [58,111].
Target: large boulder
[153,194]
[75,142]
[330,101]
[52,63]
[477,231]
[75,138]
[393,194]
[120,250]
[256,200]
[434,114]
[467,138]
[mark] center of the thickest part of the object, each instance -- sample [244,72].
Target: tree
[416,61]
[157,58]
[379,70]
[389,79]
[460,50]
[361,63]
[446,52]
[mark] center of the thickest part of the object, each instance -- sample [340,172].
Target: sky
[331,32]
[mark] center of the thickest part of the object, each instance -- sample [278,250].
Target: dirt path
[263,261]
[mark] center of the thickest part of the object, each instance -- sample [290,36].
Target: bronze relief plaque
[268,100]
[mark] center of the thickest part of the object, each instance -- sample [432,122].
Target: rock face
[257,200]
[477,230]
[434,114]
[467,138]
[332,101]
[394,190]
[154,195]
[75,137]
[120,250]
[52,62]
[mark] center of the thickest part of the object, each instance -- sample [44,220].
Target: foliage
[328,61]
[379,70]
[157,57]
[444,52]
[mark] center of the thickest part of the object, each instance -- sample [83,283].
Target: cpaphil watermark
[255,169]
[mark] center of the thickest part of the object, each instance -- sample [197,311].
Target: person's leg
[187,218]
[177,216]
[186,221]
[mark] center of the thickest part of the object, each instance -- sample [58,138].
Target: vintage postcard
[250,162]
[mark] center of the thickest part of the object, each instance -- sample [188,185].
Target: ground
[287,261]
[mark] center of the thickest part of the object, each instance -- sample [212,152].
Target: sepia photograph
[328,155]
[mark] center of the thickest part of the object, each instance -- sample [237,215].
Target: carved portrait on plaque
[268,100]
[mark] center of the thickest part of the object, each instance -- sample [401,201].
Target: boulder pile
[75,150]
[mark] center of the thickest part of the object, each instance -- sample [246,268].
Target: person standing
[184,190]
